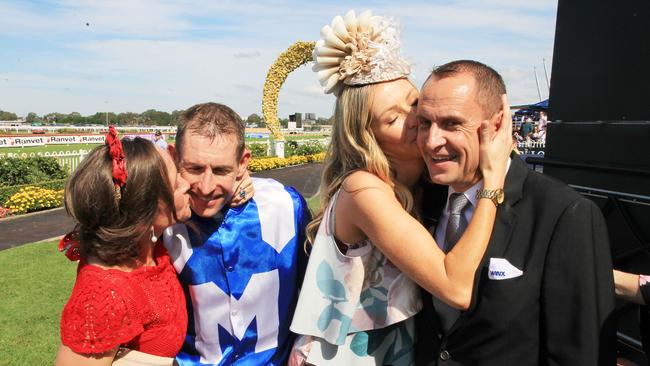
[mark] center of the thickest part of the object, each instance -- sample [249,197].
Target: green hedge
[291,148]
[258,150]
[32,170]
[311,147]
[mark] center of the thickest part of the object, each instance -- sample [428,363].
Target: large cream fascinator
[357,51]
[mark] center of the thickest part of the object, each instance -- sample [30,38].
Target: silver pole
[548,85]
[539,92]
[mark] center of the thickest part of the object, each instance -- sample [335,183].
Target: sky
[131,56]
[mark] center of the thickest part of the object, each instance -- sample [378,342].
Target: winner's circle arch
[295,56]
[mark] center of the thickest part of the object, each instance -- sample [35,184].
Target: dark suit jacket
[557,312]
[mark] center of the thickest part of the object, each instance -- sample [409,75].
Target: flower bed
[8,191]
[31,199]
[256,165]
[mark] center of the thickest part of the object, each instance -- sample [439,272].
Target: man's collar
[470,193]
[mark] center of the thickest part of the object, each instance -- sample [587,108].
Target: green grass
[36,281]
[314,203]
[305,137]
[46,148]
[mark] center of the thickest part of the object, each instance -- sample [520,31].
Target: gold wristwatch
[496,195]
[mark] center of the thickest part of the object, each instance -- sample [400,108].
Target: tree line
[150,117]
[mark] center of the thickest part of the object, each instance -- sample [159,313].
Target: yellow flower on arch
[295,56]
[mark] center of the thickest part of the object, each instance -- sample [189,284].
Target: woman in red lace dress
[126,293]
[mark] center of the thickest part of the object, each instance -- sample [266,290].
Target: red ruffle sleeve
[98,317]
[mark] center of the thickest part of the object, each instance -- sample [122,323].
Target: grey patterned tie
[455,228]
[457,222]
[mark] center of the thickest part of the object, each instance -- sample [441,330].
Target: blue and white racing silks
[240,274]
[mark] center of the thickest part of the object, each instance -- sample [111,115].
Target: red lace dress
[143,310]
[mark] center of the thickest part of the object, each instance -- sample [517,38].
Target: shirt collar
[470,193]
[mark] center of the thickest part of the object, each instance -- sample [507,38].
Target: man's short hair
[210,120]
[489,84]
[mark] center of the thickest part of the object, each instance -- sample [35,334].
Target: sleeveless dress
[355,308]
[143,310]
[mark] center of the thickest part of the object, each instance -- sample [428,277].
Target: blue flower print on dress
[397,341]
[334,291]
[374,297]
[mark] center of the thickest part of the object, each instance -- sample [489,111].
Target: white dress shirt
[470,193]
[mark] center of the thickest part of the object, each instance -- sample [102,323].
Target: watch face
[499,196]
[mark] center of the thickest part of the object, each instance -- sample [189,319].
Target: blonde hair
[354,147]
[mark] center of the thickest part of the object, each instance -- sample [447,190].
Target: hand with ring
[243,192]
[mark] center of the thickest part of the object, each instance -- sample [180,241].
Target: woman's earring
[154,238]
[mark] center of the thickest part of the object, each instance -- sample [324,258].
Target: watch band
[495,195]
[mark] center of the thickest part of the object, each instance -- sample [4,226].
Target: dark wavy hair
[112,230]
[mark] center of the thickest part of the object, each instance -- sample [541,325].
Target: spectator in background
[632,287]
[538,135]
[517,135]
[635,288]
[159,140]
[542,121]
[526,127]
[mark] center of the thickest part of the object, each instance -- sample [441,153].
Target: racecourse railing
[69,160]
[324,141]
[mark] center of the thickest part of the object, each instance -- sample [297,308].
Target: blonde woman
[368,250]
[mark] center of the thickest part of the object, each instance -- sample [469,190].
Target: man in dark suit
[544,291]
[526,127]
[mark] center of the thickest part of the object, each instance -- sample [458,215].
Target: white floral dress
[355,308]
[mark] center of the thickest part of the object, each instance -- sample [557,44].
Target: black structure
[297,117]
[599,140]
[600,61]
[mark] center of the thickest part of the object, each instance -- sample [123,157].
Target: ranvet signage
[23,141]
[29,141]
[92,139]
[60,139]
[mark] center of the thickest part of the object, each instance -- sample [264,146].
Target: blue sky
[130,56]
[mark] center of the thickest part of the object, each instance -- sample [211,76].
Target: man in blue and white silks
[239,266]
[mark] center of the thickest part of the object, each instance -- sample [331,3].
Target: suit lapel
[504,225]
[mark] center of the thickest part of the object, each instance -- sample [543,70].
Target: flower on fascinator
[357,51]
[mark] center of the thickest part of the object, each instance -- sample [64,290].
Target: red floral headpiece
[119,162]
[69,244]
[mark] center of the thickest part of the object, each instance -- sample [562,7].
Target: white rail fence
[69,160]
